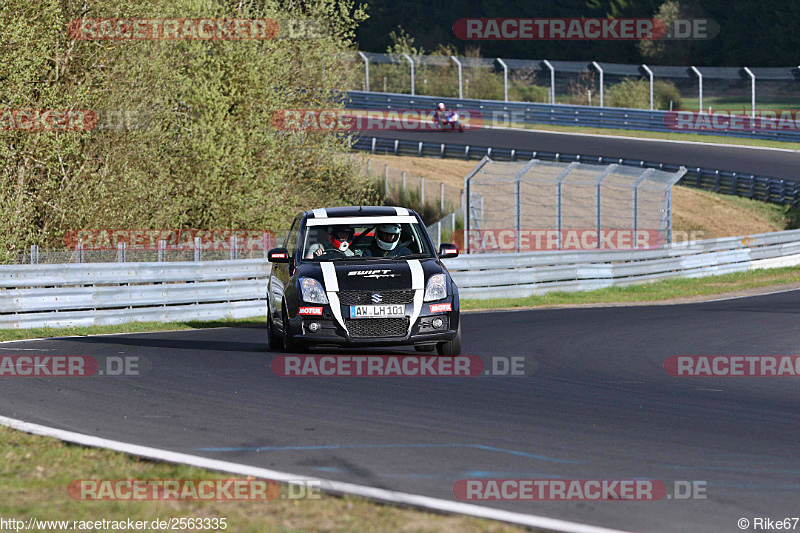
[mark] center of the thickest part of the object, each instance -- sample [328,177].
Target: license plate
[377,311]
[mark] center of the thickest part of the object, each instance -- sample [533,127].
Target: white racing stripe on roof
[363,221]
[320,213]
[401,211]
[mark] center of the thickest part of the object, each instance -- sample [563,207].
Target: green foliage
[208,156]
[665,92]
[635,93]
[630,92]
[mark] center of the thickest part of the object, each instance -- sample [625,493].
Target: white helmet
[387,236]
[442,106]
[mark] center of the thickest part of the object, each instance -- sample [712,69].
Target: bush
[630,92]
[529,93]
[665,92]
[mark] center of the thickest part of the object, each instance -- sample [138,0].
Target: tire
[289,344]
[275,342]
[452,347]
[425,347]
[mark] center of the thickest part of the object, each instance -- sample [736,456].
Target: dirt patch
[694,210]
[449,171]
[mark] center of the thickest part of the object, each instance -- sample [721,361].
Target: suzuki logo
[377,298]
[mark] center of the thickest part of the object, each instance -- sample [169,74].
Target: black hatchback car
[362,276]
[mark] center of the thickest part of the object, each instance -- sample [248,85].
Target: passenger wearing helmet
[386,242]
[339,238]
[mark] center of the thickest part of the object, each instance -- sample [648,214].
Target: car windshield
[354,241]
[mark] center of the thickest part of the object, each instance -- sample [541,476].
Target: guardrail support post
[366,69]
[505,79]
[700,86]
[411,62]
[197,255]
[460,85]
[162,251]
[552,81]
[596,65]
[650,73]
[752,91]
[121,252]
[234,247]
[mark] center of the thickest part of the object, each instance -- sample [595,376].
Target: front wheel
[275,342]
[452,347]
[290,345]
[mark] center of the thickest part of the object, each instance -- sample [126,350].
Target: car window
[317,241]
[291,238]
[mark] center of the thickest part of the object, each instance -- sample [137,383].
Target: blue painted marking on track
[384,446]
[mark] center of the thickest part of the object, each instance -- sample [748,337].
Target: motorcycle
[447,121]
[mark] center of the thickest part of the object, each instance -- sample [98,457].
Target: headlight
[313,292]
[435,289]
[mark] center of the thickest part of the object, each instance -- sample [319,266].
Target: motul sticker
[438,308]
[310,311]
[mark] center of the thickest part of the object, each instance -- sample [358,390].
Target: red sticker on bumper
[310,311]
[438,308]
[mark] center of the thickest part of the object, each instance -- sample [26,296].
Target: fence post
[505,79]
[234,247]
[700,86]
[460,87]
[552,81]
[386,180]
[650,73]
[121,252]
[366,68]
[79,253]
[265,242]
[162,251]
[34,254]
[197,254]
[369,168]
[411,62]
[596,65]
[439,233]
[422,191]
[441,197]
[752,91]
[404,181]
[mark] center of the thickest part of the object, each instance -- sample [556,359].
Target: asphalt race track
[596,404]
[765,162]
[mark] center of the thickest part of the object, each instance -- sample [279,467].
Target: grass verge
[691,137]
[694,289]
[37,470]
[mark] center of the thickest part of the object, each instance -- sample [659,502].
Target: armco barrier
[559,114]
[113,293]
[763,188]
[482,276]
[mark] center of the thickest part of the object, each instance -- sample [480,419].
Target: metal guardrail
[113,293]
[485,276]
[768,189]
[505,113]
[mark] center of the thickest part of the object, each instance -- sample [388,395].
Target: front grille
[365,297]
[377,327]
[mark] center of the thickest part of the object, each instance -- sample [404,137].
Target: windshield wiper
[412,256]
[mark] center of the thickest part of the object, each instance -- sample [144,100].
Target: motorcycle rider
[440,114]
[386,241]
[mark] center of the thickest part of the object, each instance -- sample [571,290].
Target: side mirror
[278,255]
[448,251]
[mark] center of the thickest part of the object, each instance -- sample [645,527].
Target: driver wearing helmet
[441,112]
[339,238]
[386,242]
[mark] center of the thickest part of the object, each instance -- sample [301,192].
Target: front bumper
[316,330]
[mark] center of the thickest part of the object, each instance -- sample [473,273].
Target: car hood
[369,274]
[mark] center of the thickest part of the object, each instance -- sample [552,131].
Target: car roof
[357,211]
